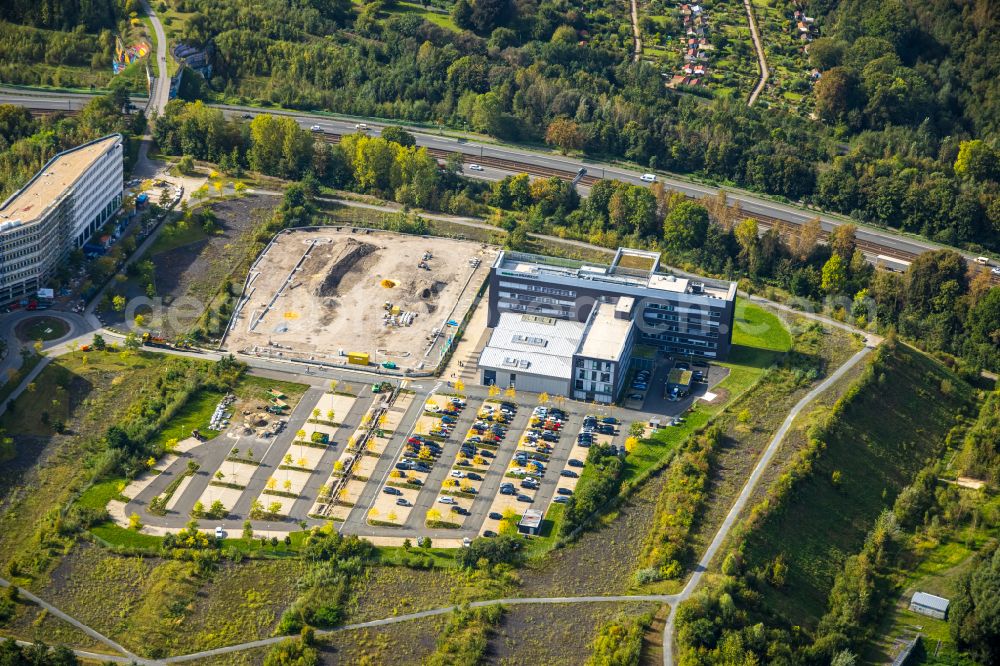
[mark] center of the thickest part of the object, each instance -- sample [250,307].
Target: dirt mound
[345,256]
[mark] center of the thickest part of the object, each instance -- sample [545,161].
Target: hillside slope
[881,433]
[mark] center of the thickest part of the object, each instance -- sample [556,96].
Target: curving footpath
[765,73]
[740,504]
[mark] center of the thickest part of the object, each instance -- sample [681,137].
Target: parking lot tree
[198,510]
[219,476]
[637,429]
[287,485]
[301,462]
[272,483]
[425,542]
[287,460]
[330,414]
[273,510]
[338,466]
[247,530]
[218,509]
[134,522]
[391,516]
[98,342]
[300,435]
[631,442]
[373,514]
[256,510]
[118,303]
[433,515]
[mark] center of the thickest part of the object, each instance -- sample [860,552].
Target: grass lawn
[172,237]
[195,414]
[42,328]
[13,380]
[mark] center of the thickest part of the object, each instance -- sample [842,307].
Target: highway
[499,160]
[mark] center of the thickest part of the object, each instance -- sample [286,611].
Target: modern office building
[57,211]
[678,315]
[569,327]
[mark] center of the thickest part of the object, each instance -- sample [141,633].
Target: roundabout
[42,327]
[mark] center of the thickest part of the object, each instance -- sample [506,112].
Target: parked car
[402,501]
[496,515]
[560,499]
[507,489]
[389,490]
[444,499]
[472,476]
[569,473]
[219,532]
[564,491]
[573,462]
[457,474]
[462,511]
[525,498]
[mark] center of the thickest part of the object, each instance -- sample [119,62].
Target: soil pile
[345,256]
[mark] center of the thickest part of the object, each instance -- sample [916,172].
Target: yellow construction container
[357,358]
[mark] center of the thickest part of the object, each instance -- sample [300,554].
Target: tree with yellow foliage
[433,515]
[631,443]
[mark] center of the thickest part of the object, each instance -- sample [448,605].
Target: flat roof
[931,601]
[539,266]
[532,518]
[30,202]
[605,336]
[530,344]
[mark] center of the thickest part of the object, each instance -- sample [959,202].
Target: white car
[457,474]
[444,499]
[995,270]
[315,128]
[361,127]
[432,408]
[219,533]
[648,177]
[475,167]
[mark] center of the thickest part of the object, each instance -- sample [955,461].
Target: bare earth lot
[320,293]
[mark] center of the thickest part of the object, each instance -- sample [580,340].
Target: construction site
[359,297]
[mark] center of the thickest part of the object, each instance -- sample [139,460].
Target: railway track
[869,247]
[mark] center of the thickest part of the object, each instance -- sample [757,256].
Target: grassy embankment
[874,446]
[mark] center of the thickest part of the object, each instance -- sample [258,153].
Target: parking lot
[646,390]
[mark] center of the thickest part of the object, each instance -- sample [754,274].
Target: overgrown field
[554,634]
[892,423]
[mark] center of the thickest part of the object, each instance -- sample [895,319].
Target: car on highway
[569,473]
[361,127]
[389,490]
[475,167]
[315,128]
[444,499]
[648,177]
